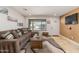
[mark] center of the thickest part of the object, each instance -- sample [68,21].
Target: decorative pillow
[15,34]
[45,34]
[24,31]
[4,35]
[21,31]
[10,36]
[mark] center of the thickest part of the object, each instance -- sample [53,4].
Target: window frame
[42,20]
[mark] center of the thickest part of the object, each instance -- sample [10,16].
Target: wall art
[12,19]
[4,11]
[20,24]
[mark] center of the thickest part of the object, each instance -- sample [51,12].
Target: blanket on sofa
[52,42]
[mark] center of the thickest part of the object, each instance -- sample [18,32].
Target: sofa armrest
[9,46]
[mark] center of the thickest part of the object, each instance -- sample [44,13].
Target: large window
[37,24]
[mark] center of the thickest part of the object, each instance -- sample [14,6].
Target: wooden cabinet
[36,44]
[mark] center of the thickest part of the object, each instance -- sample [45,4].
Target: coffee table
[36,44]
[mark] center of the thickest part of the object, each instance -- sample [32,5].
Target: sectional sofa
[12,41]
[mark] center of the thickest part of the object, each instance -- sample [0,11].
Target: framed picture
[4,11]
[20,24]
[12,19]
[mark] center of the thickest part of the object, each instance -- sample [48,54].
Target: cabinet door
[36,44]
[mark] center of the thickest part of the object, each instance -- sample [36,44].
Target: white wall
[7,25]
[53,28]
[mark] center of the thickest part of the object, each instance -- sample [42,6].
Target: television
[72,19]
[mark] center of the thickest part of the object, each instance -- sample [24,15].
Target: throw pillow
[20,34]
[15,34]
[4,35]
[10,36]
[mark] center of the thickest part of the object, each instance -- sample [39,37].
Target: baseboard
[73,42]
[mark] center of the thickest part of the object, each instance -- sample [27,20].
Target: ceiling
[44,10]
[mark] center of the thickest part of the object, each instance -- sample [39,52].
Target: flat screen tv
[72,19]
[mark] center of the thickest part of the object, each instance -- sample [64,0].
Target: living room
[39,29]
[31,22]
